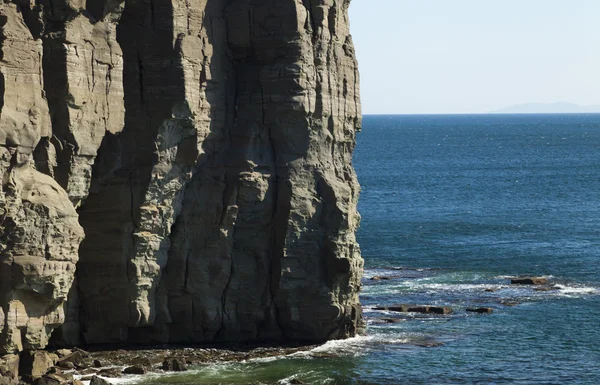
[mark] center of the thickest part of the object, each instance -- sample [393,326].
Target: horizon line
[480,113]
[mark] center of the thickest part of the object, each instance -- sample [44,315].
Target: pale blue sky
[471,56]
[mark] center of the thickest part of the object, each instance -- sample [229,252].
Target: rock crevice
[204,148]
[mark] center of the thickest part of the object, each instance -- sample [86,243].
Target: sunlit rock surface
[204,148]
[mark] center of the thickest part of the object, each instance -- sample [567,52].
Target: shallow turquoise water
[452,206]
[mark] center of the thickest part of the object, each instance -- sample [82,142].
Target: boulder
[142,361]
[79,359]
[111,372]
[61,353]
[87,371]
[36,363]
[67,365]
[99,381]
[174,364]
[136,369]
[50,379]
[9,366]
[529,281]
[99,363]
[8,381]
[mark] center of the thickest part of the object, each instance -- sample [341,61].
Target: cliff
[177,172]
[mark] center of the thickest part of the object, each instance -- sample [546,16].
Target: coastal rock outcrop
[177,171]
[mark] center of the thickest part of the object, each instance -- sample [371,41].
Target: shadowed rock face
[204,147]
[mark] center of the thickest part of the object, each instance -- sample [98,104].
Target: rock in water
[78,359]
[136,369]
[424,309]
[480,310]
[215,139]
[174,364]
[529,281]
[50,379]
[99,381]
[380,278]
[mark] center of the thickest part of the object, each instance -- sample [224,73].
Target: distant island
[548,108]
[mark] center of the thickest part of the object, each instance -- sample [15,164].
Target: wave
[509,277]
[577,290]
[359,345]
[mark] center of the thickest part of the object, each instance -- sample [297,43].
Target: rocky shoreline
[101,364]
[105,363]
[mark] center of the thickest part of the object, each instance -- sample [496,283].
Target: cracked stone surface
[204,148]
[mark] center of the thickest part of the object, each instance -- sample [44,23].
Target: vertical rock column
[264,248]
[83,70]
[141,174]
[39,231]
[297,68]
[83,73]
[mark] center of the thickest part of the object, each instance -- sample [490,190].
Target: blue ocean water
[452,206]
[479,198]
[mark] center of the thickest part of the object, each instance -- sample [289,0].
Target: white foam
[462,286]
[570,290]
[264,359]
[355,346]
[342,346]
[521,276]
[129,379]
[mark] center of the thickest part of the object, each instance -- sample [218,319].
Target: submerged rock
[424,309]
[546,288]
[391,320]
[380,278]
[480,310]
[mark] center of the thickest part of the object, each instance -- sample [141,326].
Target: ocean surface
[452,207]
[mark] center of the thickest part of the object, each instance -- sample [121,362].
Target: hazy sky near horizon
[472,56]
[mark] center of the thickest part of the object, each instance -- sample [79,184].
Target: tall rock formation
[204,148]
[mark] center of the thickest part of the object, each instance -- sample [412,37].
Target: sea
[453,207]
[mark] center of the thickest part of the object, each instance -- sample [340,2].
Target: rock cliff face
[177,171]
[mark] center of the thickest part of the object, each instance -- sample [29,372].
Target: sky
[475,56]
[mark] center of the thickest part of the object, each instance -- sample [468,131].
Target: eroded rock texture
[205,149]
